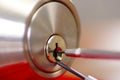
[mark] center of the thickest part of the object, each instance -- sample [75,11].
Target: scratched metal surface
[100,24]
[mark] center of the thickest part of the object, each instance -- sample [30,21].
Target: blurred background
[100,29]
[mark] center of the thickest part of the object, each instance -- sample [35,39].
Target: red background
[22,71]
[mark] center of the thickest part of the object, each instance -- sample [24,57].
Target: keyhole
[54,45]
[56,54]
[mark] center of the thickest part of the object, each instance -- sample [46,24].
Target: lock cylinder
[35,27]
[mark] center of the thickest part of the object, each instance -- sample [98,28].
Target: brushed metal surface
[52,18]
[25,27]
[14,16]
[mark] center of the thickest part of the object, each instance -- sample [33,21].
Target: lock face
[32,27]
[53,22]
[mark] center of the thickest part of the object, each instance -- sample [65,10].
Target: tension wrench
[89,53]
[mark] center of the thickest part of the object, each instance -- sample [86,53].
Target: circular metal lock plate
[50,19]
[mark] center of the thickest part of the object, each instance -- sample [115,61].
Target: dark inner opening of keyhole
[56,53]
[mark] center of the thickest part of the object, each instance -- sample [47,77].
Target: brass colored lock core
[54,41]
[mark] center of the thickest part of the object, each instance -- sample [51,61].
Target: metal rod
[71,70]
[88,53]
